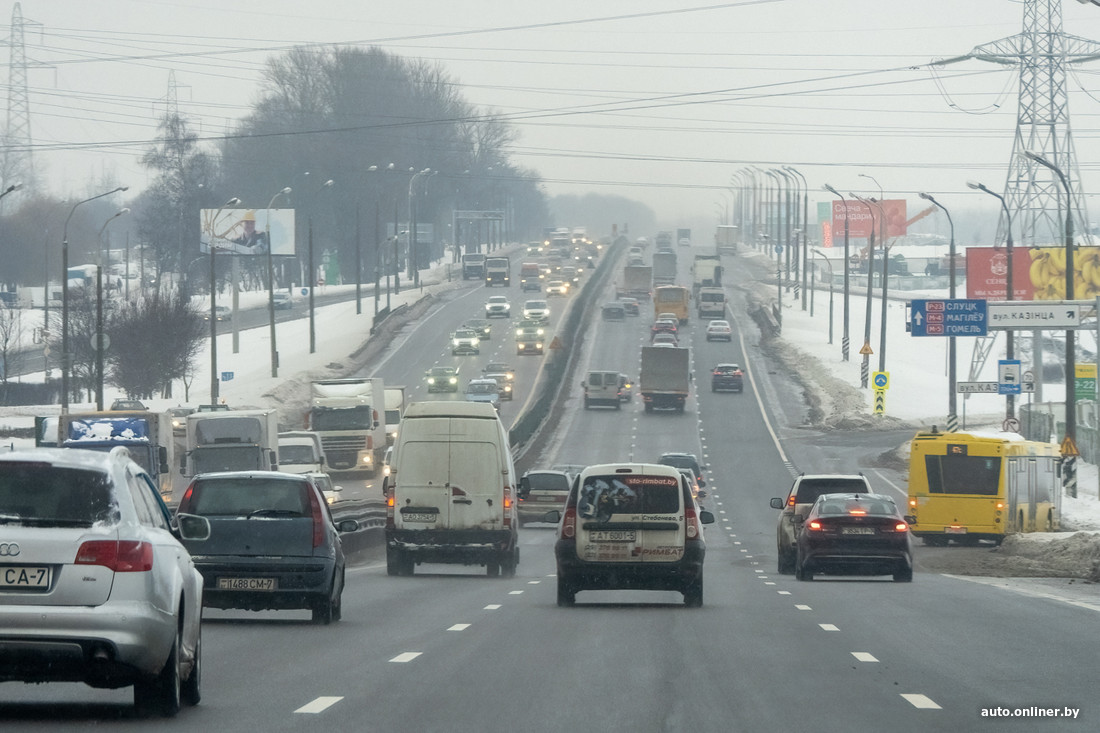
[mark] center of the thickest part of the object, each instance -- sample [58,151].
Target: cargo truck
[637,282]
[473,266]
[395,408]
[664,268]
[231,440]
[147,435]
[350,415]
[665,378]
[498,271]
[725,239]
[706,271]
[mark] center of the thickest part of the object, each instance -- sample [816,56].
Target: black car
[683,460]
[482,326]
[853,534]
[727,378]
[442,379]
[272,544]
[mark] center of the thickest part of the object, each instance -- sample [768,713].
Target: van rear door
[627,517]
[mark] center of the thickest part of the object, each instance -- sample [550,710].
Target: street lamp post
[805,229]
[778,254]
[99,345]
[952,413]
[1069,458]
[271,285]
[865,367]
[830,264]
[214,383]
[66,359]
[312,274]
[1010,345]
[414,264]
[844,340]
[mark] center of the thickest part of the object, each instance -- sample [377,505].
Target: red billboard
[987,273]
[861,218]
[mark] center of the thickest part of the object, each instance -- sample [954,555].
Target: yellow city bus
[973,486]
[672,299]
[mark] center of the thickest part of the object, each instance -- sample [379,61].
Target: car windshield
[680,461]
[482,389]
[296,454]
[43,495]
[441,372]
[811,488]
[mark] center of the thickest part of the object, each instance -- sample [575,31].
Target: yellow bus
[973,486]
[674,299]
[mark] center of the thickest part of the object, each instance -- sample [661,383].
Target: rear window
[681,462]
[810,489]
[547,482]
[241,497]
[858,507]
[601,497]
[44,495]
[296,454]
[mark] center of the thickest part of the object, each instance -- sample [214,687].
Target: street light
[414,264]
[99,345]
[271,286]
[844,331]
[952,412]
[312,274]
[830,264]
[1069,468]
[66,365]
[805,228]
[865,366]
[1010,350]
[214,383]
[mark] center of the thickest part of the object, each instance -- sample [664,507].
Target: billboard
[862,217]
[987,273]
[247,231]
[1038,273]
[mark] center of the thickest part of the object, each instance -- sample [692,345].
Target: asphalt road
[450,649]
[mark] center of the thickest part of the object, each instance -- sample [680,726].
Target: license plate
[612,535]
[418,517]
[24,577]
[261,584]
[857,530]
[546,498]
[955,530]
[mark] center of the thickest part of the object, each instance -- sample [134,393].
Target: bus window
[963,474]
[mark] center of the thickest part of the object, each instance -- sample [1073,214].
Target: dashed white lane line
[533,582]
[770,583]
[406,657]
[758,571]
[491,607]
[864,657]
[802,607]
[829,627]
[515,592]
[784,592]
[459,627]
[319,705]
[920,701]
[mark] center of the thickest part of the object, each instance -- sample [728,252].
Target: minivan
[452,490]
[602,388]
[630,526]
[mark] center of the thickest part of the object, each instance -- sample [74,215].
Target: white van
[452,490]
[602,388]
[300,451]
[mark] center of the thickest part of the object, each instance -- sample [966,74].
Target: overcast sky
[656,100]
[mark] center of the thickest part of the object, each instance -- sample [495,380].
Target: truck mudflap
[465,547]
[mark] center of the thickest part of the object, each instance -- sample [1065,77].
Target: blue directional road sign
[948,317]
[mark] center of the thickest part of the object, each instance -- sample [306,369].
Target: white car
[536,310]
[95,585]
[719,331]
[498,307]
[324,483]
[557,287]
[484,390]
[465,341]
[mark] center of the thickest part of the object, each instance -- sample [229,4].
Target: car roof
[444,369]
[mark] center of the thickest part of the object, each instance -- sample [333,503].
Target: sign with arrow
[949,317]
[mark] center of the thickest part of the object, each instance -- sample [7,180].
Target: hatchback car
[498,307]
[95,585]
[272,544]
[613,311]
[221,313]
[539,492]
[465,341]
[727,378]
[854,534]
[442,379]
[664,325]
[804,492]
[630,306]
[630,526]
[481,326]
[483,390]
[537,310]
[683,460]
[664,338]
[719,331]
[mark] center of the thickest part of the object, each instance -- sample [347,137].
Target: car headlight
[538,345]
[431,380]
[507,388]
[453,380]
[457,342]
[539,332]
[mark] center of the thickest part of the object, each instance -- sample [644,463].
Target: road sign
[989,387]
[866,350]
[881,380]
[958,317]
[1033,314]
[305,291]
[555,343]
[1008,376]
[880,401]
[1084,382]
[779,249]
[1011,425]
[1069,448]
[227,376]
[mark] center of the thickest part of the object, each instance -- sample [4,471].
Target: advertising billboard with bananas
[1038,273]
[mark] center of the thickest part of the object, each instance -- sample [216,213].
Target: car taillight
[790,501]
[185,502]
[913,503]
[569,523]
[389,509]
[901,527]
[815,525]
[692,523]
[507,506]
[318,519]
[121,556]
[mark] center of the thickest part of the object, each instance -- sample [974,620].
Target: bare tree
[11,339]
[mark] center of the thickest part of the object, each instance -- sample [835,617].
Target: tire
[618,404]
[492,569]
[326,610]
[649,407]
[693,593]
[567,595]
[800,570]
[408,565]
[903,575]
[785,565]
[161,694]
[191,690]
[393,561]
[508,563]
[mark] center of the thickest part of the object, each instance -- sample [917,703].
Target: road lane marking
[921,701]
[318,705]
[1003,585]
[459,627]
[864,657]
[406,657]
[533,582]
[829,627]
[784,592]
[770,582]
[515,592]
[492,607]
[801,607]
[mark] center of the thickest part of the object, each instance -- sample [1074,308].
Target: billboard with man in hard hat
[247,231]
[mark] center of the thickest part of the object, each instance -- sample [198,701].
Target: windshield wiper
[275,513]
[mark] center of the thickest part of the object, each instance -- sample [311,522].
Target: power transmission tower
[1033,193]
[18,165]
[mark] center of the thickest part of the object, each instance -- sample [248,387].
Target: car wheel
[618,404]
[567,596]
[191,690]
[394,561]
[649,407]
[586,403]
[693,593]
[903,575]
[801,572]
[786,562]
[508,564]
[161,693]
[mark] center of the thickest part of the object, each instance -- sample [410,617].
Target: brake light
[858,512]
[318,519]
[692,523]
[389,509]
[815,525]
[901,527]
[569,523]
[507,506]
[790,500]
[185,502]
[121,556]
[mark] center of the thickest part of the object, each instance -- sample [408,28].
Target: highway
[450,649]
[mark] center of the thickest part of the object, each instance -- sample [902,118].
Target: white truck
[665,378]
[725,239]
[231,440]
[300,451]
[395,408]
[473,266]
[706,271]
[637,282]
[350,416]
[147,435]
[664,267]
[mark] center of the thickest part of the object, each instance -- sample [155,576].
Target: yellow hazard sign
[1069,448]
[866,350]
[555,343]
[880,402]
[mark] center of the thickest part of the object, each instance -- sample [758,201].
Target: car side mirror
[911,518]
[347,525]
[776,503]
[553,517]
[706,517]
[193,527]
[797,519]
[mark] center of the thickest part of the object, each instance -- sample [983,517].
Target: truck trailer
[665,378]
[350,415]
[231,440]
[147,435]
